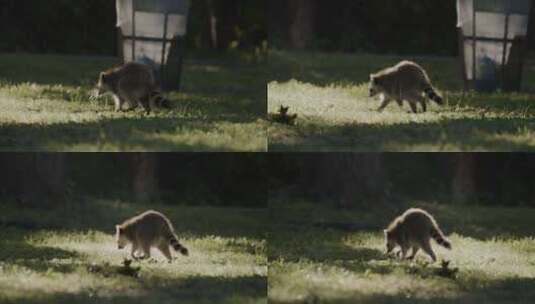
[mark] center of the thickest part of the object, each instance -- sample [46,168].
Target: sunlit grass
[45,104]
[54,265]
[312,261]
[329,93]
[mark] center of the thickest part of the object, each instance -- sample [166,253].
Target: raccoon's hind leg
[145,247]
[145,103]
[426,246]
[414,99]
[424,105]
[422,101]
[413,253]
[414,109]
[164,249]
[403,252]
[118,101]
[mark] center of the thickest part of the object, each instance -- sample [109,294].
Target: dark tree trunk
[464,181]
[228,20]
[361,179]
[301,30]
[144,176]
[35,179]
[347,179]
[211,23]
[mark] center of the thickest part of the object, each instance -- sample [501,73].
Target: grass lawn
[70,256]
[315,259]
[329,92]
[45,106]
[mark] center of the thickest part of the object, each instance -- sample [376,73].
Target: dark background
[56,179]
[88,26]
[365,180]
[345,180]
[378,26]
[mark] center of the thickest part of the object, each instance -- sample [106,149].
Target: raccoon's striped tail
[433,95]
[177,246]
[439,237]
[160,101]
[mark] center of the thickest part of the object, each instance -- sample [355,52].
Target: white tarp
[464,13]
[490,18]
[150,18]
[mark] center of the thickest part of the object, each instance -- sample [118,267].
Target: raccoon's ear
[102,76]
[118,228]
[385,231]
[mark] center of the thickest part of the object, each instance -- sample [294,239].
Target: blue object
[486,80]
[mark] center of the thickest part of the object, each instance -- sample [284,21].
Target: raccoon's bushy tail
[159,100]
[439,237]
[173,241]
[433,95]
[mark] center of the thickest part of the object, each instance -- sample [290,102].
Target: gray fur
[149,229]
[413,230]
[404,81]
[132,84]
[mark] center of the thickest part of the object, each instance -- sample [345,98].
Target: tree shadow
[466,134]
[293,243]
[508,290]
[122,134]
[16,251]
[202,289]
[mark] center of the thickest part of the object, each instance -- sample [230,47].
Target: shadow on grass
[468,134]
[16,251]
[245,289]
[149,133]
[503,291]
[304,242]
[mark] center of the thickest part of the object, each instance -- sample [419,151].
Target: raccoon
[413,230]
[404,81]
[146,230]
[132,83]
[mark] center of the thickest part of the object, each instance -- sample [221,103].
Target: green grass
[322,255]
[329,93]
[47,256]
[45,106]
